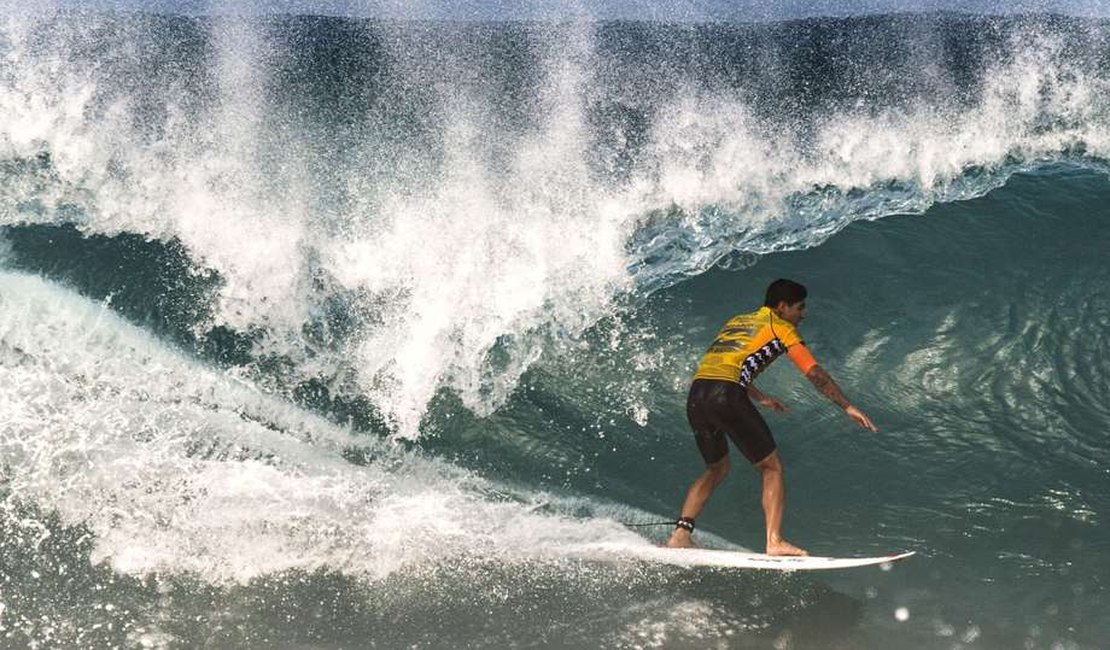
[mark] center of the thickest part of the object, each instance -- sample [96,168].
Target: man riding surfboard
[720,404]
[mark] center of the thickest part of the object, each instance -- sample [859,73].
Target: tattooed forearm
[825,384]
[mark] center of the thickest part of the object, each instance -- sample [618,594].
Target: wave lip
[492,191]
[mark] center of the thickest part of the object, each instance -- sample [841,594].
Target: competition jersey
[748,343]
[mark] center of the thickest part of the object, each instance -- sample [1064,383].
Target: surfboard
[738,559]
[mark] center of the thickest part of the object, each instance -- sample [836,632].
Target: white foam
[177,467]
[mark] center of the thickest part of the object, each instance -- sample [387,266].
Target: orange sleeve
[801,357]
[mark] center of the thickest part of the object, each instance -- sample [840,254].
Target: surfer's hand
[860,418]
[772,403]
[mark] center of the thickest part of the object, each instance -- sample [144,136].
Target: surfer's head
[787,299]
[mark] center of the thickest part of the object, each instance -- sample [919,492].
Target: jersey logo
[720,346]
[733,338]
[760,359]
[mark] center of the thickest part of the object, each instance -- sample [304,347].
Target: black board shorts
[716,408]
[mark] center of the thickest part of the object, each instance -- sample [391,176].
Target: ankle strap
[685,523]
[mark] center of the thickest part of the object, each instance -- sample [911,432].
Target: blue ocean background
[332,332]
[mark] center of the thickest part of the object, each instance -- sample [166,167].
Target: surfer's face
[795,313]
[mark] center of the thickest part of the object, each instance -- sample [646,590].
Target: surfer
[720,404]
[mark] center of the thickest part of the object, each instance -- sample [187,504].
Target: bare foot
[680,538]
[783,547]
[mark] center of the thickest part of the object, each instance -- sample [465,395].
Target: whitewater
[332,332]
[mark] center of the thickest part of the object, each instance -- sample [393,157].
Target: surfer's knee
[771,463]
[719,470]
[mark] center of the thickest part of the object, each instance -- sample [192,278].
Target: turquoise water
[328,333]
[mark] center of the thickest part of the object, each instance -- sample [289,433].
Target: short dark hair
[783,290]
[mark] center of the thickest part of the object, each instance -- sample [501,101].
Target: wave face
[333,332]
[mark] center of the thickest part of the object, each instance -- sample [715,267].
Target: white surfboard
[733,559]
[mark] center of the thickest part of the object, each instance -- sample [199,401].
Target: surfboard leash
[682,522]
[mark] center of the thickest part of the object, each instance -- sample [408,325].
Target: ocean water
[334,333]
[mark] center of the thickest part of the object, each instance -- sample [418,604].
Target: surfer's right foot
[783,547]
[680,538]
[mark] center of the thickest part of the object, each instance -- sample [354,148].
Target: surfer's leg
[703,406]
[774,502]
[696,497]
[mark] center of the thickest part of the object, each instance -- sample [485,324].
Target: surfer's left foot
[783,547]
[680,538]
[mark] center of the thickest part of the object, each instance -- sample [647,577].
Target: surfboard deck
[739,559]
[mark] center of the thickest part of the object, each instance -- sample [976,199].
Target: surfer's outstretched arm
[824,383]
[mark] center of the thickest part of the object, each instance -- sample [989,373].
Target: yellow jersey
[748,343]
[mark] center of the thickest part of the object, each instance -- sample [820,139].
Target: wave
[393,210]
[984,321]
